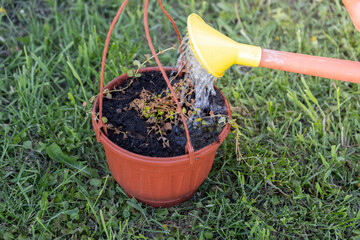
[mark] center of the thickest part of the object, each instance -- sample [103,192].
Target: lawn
[292,171]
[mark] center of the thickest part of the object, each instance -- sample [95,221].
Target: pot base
[162,204]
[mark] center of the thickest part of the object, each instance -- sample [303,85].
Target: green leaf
[8,236]
[24,40]
[137,63]
[132,203]
[208,235]
[76,75]
[108,96]
[74,216]
[162,213]
[326,164]
[95,182]
[205,123]
[56,154]
[222,120]
[104,119]
[275,200]
[347,197]
[130,73]
[20,135]
[71,98]
[234,124]
[16,139]
[126,213]
[27,144]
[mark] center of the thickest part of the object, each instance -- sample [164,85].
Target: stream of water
[202,80]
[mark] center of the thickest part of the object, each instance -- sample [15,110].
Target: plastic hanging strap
[189,147]
[176,30]
[173,23]
[101,123]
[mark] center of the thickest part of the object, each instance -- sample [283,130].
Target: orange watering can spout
[353,7]
[217,52]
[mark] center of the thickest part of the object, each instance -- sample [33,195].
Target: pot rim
[147,159]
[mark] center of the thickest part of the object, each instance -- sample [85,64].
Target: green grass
[296,174]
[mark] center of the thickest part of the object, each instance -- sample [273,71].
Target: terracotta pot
[158,181]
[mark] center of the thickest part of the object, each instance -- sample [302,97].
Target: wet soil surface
[135,135]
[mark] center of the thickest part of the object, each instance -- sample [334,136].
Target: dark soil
[139,140]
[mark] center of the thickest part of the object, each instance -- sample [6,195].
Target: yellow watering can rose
[217,52]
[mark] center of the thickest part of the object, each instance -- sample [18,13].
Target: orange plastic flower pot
[155,181]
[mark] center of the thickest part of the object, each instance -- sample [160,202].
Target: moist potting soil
[134,133]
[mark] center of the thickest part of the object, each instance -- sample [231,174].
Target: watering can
[217,52]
